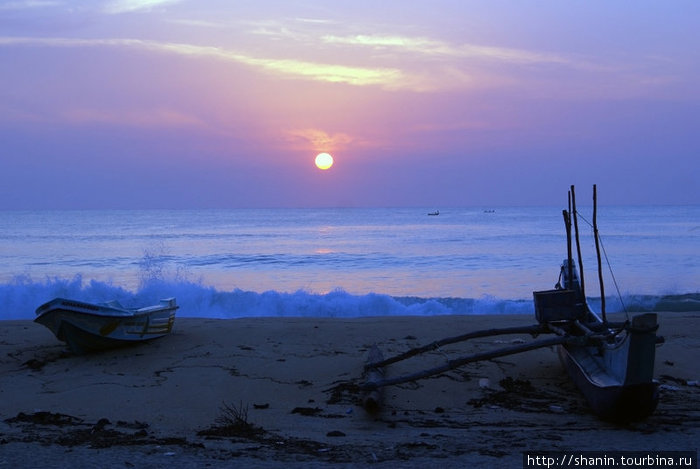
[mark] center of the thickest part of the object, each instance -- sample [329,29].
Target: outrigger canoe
[611,363]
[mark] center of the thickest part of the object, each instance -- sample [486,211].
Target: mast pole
[578,245]
[597,251]
[567,225]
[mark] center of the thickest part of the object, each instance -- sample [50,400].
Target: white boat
[86,327]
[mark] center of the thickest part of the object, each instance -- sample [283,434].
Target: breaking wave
[20,298]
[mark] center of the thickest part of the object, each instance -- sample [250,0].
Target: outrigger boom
[611,363]
[457,362]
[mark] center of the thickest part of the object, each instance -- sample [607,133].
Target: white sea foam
[20,298]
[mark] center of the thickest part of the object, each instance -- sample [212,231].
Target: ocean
[344,262]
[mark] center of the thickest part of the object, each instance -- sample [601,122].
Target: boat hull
[86,327]
[614,402]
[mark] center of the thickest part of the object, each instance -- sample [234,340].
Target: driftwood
[534,330]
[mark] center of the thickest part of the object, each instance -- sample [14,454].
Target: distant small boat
[88,327]
[436,212]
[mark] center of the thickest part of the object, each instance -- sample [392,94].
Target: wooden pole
[569,258]
[372,400]
[581,281]
[597,251]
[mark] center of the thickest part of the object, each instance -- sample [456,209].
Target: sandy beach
[273,392]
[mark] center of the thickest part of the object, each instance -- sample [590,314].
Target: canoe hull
[613,402]
[87,327]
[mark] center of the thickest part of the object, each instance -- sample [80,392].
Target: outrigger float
[612,363]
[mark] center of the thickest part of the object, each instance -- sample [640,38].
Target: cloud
[360,76]
[314,20]
[398,62]
[319,139]
[390,78]
[425,46]
[126,6]
[199,23]
[25,4]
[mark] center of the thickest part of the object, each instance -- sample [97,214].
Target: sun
[324,161]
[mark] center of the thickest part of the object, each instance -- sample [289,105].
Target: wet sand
[273,392]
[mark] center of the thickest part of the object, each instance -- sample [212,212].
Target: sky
[128,104]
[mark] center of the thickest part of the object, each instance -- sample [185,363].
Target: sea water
[344,262]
